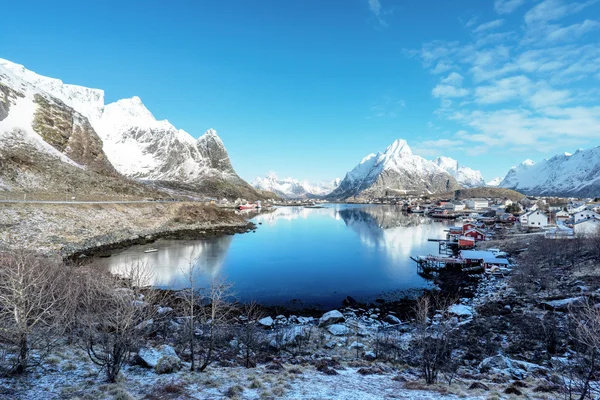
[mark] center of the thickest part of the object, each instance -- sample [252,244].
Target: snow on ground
[72,375]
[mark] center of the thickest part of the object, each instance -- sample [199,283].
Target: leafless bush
[207,311]
[584,366]
[387,344]
[250,336]
[115,311]
[434,343]
[34,303]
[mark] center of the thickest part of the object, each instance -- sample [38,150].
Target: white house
[535,219]
[477,204]
[574,208]
[587,226]
[585,214]
[562,215]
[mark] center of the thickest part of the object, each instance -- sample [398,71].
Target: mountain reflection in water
[315,255]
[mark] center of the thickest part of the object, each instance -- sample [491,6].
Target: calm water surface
[315,255]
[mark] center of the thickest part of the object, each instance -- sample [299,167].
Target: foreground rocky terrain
[516,335]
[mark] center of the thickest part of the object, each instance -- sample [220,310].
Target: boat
[247,206]
[150,250]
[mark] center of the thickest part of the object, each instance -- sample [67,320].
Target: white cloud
[441,67]
[547,97]
[532,88]
[442,91]
[454,78]
[489,25]
[503,90]
[375,7]
[507,6]
[550,10]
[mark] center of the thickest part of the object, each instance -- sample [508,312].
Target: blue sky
[308,88]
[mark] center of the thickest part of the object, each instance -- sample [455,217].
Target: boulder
[331,317]
[370,356]
[266,322]
[168,365]
[392,320]
[356,345]
[507,366]
[461,311]
[163,359]
[338,330]
[349,301]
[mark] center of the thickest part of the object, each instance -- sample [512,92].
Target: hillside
[483,192]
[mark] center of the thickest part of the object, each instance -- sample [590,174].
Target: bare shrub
[433,344]
[584,366]
[207,312]
[34,303]
[115,311]
[250,336]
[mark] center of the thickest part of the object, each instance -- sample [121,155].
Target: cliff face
[70,133]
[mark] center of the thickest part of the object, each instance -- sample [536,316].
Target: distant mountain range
[72,124]
[56,137]
[566,174]
[465,176]
[290,188]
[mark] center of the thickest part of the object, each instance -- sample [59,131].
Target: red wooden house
[476,234]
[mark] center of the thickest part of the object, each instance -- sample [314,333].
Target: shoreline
[200,233]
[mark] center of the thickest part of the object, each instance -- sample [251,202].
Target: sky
[308,88]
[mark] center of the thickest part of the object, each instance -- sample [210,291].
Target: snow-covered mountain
[494,182]
[138,145]
[564,174]
[33,118]
[294,189]
[395,170]
[465,176]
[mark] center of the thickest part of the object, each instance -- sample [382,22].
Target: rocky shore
[75,229]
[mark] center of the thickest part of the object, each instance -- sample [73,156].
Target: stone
[331,317]
[266,322]
[168,364]
[331,344]
[370,355]
[338,330]
[356,345]
[163,359]
[478,385]
[392,320]
[305,320]
[349,301]
[461,311]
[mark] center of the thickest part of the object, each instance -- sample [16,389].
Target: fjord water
[312,256]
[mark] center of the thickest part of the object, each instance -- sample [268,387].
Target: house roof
[486,256]
[476,230]
[581,221]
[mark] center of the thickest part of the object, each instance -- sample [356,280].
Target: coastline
[71,230]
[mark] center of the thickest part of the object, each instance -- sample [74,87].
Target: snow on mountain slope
[494,182]
[30,117]
[138,145]
[465,176]
[566,174]
[294,189]
[396,169]
[88,102]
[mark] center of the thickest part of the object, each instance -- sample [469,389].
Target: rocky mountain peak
[399,147]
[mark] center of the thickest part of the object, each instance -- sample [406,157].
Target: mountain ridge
[396,169]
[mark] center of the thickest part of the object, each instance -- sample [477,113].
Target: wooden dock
[431,263]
